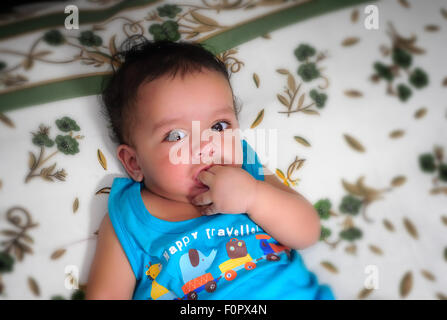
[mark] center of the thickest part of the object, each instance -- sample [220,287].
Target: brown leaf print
[396,134]
[406,284]
[375,249]
[354,143]
[388,225]
[34,287]
[411,229]
[398,181]
[302,141]
[364,293]
[420,113]
[350,41]
[105,190]
[329,266]
[57,254]
[354,15]
[256,80]
[428,275]
[258,119]
[404,3]
[102,160]
[353,93]
[431,28]
[6,120]
[75,205]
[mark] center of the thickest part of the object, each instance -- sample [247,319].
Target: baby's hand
[231,190]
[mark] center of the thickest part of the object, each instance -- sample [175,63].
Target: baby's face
[166,109]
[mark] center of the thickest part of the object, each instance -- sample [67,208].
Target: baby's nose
[204,154]
[211,152]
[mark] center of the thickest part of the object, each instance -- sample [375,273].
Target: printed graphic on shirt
[195,266]
[157,290]
[210,234]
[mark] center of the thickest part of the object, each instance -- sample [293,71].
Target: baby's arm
[284,214]
[111,276]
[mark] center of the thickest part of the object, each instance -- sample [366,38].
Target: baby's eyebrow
[165,122]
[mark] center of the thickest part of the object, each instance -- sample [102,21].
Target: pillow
[354,114]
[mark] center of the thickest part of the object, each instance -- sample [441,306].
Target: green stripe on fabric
[57,20]
[249,31]
[90,85]
[73,88]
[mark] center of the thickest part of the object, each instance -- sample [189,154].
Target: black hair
[139,61]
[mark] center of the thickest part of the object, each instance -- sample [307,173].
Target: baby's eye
[174,136]
[219,127]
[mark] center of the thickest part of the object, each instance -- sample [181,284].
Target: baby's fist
[231,190]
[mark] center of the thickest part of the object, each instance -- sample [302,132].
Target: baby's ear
[128,158]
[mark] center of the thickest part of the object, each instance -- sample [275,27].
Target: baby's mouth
[199,183]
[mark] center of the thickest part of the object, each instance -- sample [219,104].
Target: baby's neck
[167,209]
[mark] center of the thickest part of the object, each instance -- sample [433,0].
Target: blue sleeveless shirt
[223,256]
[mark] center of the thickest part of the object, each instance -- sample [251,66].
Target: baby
[217,226]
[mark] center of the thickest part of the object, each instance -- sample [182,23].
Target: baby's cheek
[175,173]
[231,155]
